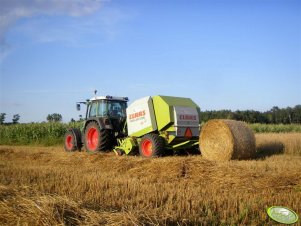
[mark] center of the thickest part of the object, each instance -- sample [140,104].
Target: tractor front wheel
[151,145]
[96,139]
[72,140]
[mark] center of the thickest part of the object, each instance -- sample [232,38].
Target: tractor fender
[100,123]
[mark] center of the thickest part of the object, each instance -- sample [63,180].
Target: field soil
[47,186]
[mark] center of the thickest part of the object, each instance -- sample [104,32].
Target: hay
[224,140]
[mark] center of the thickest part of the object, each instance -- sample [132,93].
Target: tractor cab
[107,107]
[109,112]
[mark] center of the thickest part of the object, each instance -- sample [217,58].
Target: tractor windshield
[105,108]
[117,108]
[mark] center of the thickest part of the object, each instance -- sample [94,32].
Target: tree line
[55,117]
[275,115]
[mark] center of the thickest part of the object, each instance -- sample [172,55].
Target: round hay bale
[223,140]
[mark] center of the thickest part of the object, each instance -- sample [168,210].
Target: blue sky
[225,54]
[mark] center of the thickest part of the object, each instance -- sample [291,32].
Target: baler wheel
[96,139]
[72,140]
[151,145]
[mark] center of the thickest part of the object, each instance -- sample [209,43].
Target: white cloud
[13,10]
[92,30]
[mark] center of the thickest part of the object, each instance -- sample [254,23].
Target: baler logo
[137,115]
[188,117]
[282,215]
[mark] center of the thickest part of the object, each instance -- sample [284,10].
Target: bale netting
[223,140]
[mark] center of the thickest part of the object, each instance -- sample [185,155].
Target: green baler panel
[163,107]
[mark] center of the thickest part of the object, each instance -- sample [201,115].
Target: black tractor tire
[151,145]
[96,139]
[72,140]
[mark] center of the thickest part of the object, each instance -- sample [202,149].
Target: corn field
[35,133]
[53,133]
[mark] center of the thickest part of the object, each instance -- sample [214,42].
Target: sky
[223,54]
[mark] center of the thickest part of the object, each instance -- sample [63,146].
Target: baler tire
[96,139]
[151,145]
[72,140]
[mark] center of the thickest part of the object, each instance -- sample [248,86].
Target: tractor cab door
[92,109]
[117,114]
[117,109]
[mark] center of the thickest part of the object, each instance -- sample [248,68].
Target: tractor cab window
[102,108]
[117,108]
[93,108]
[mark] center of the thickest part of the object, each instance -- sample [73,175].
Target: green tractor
[105,123]
[151,126]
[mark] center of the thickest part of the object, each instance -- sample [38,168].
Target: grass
[46,186]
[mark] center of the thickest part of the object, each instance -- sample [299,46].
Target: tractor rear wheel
[96,139]
[151,145]
[72,140]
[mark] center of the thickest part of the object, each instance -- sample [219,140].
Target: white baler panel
[140,116]
[186,117]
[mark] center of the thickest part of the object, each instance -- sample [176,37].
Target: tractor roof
[110,98]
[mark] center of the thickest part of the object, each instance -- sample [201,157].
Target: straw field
[46,186]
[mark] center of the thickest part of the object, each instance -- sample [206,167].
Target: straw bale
[224,140]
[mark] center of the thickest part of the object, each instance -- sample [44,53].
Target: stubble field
[46,186]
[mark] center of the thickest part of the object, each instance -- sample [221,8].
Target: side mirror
[78,106]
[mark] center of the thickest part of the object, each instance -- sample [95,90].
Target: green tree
[2,118]
[16,118]
[296,114]
[276,115]
[55,117]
